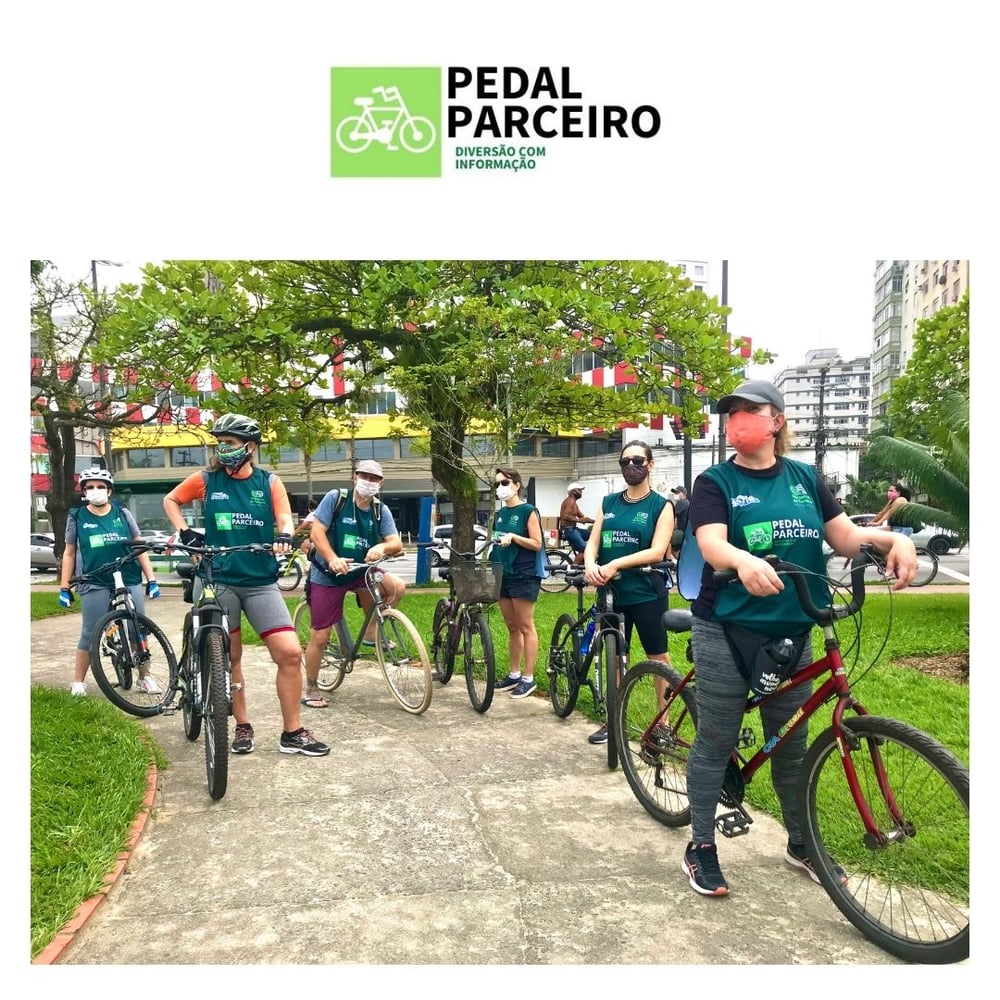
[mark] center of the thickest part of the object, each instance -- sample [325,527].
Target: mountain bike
[203,680]
[291,568]
[877,799]
[398,647]
[596,636]
[838,568]
[462,628]
[130,657]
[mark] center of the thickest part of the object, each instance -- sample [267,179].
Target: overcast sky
[793,304]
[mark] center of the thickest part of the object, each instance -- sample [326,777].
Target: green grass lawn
[88,760]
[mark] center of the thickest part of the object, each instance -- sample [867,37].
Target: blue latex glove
[152,590]
[66,597]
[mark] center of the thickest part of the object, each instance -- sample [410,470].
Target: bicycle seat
[677,620]
[185,571]
[364,102]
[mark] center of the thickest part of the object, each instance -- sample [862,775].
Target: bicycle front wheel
[133,663]
[611,649]
[556,565]
[907,886]
[563,667]
[332,666]
[927,567]
[216,713]
[655,740]
[404,662]
[191,705]
[480,665]
[441,652]
[291,576]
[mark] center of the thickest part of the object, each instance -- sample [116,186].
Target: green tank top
[101,539]
[781,515]
[516,559]
[627,527]
[237,512]
[352,533]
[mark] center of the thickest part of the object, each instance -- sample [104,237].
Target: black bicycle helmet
[238,426]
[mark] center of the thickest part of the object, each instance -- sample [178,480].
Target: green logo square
[385,121]
[759,536]
[224,521]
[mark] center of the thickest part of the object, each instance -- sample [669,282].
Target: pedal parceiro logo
[385,121]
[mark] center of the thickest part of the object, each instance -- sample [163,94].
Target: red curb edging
[57,947]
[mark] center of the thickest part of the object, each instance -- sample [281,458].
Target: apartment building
[928,285]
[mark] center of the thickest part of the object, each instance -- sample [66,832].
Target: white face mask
[367,489]
[506,492]
[98,497]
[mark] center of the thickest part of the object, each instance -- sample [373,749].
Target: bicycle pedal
[746,739]
[733,824]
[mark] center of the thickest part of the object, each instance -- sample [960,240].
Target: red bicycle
[877,799]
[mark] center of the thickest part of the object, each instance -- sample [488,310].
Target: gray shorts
[264,607]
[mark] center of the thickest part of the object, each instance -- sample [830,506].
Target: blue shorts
[518,585]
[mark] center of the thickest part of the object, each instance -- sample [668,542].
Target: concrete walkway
[449,838]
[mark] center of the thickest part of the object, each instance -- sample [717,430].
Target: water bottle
[587,637]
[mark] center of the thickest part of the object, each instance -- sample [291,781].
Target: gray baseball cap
[757,390]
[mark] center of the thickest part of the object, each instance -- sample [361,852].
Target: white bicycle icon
[357,132]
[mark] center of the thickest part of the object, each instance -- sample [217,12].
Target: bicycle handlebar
[822,616]
[667,567]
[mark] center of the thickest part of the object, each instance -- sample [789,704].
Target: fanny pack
[763,660]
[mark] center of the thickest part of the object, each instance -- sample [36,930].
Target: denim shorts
[518,585]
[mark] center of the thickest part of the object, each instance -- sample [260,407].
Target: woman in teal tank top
[632,530]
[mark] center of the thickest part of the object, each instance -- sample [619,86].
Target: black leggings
[721,696]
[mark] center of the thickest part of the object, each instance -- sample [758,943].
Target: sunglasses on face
[502,482]
[634,460]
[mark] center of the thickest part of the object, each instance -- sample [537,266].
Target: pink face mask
[749,432]
[891,494]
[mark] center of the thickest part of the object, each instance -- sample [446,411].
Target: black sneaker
[243,741]
[302,741]
[795,855]
[701,865]
[601,736]
[508,683]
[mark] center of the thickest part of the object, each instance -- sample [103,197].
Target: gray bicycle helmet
[238,426]
[96,475]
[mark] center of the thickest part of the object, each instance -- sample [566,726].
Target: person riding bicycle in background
[758,502]
[681,506]
[355,527]
[300,539]
[96,533]
[518,548]
[633,529]
[570,519]
[898,497]
[245,504]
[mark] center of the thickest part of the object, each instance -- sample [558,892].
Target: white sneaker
[149,685]
[77,689]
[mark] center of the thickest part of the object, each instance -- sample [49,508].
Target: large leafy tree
[68,318]
[920,402]
[493,345]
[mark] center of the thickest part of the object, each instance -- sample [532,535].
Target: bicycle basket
[476,582]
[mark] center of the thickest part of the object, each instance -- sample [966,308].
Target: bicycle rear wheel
[291,576]
[563,666]
[441,652]
[216,713]
[332,666]
[927,567]
[480,665]
[556,564]
[133,663]
[655,742]
[190,679]
[907,888]
[404,662]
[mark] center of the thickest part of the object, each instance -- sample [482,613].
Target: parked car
[43,554]
[939,540]
[441,535]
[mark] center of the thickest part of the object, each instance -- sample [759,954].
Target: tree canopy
[493,344]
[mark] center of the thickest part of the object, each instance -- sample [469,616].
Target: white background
[808,138]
